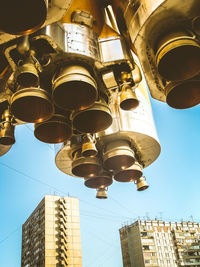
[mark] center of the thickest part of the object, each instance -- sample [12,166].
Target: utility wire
[102,208]
[54,188]
[108,215]
[103,254]
[119,204]
[100,238]
[122,206]
[28,176]
[32,132]
[91,263]
[109,257]
[104,216]
[10,234]
[14,231]
[104,241]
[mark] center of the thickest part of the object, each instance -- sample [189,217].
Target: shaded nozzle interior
[85,166]
[128,98]
[74,88]
[101,193]
[27,75]
[130,174]
[55,130]
[118,155]
[178,56]
[7,136]
[94,119]
[103,179]
[88,147]
[22,16]
[31,104]
[183,94]
[141,184]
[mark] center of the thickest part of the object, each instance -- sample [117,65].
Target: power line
[32,132]
[28,176]
[10,234]
[105,215]
[104,259]
[56,189]
[14,231]
[122,206]
[102,208]
[100,238]
[117,248]
[102,218]
[91,263]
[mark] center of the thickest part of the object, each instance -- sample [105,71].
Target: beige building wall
[59,238]
[134,245]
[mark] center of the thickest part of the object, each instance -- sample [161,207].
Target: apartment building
[51,234]
[158,243]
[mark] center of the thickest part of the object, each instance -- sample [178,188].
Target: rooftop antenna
[147,216]
[160,213]
[191,217]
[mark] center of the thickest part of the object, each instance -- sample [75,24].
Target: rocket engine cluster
[70,68]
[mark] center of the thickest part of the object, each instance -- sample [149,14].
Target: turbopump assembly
[73,71]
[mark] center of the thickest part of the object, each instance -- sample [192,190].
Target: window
[143,234]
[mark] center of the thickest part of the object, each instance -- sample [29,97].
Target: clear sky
[28,172]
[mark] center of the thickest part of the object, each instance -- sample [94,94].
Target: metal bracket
[83,18]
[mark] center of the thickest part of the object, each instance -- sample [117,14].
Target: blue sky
[28,172]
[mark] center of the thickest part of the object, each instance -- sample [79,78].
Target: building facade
[51,234]
[157,243]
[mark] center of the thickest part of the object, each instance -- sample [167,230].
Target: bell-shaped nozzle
[74,88]
[178,56]
[102,193]
[88,147]
[27,74]
[183,94]
[118,155]
[128,98]
[31,104]
[22,16]
[93,119]
[85,166]
[141,184]
[130,174]
[55,130]
[7,136]
[102,180]
[4,149]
